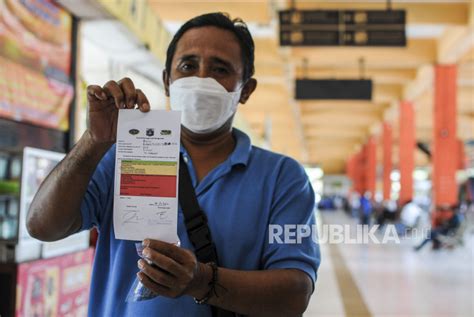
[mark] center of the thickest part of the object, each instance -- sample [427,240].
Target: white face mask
[205,104]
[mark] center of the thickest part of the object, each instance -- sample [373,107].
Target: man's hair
[222,21]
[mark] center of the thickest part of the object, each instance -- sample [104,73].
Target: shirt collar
[243,146]
[242,149]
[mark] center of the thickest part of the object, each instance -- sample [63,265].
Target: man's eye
[187,66]
[221,70]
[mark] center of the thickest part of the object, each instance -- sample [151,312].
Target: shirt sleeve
[98,192]
[288,243]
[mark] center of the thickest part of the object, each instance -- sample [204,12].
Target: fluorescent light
[420,31]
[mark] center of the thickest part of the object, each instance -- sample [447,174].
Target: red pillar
[359,172]
[350,171]
[407,151]
[462,159]
[370,165]
[446,146]
[387,160]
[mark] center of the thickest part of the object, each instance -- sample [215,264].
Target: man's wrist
[200,285]
[87,153]
[94,144]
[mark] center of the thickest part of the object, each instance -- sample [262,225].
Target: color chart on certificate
[148,178]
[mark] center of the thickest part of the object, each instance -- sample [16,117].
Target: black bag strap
[196,226]
[194,218]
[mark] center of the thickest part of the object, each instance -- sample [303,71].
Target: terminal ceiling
[326,133]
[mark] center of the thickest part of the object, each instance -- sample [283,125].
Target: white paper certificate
[146,175]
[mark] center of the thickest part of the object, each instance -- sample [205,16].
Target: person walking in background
[365,210]
[355,204]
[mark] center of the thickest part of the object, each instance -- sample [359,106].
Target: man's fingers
[113,90]
[165,263]
[123,93]
[96,92]
[142,101]
[129,91]
[178,254]
[154,287]
[157,275]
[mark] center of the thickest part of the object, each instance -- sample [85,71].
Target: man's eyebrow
[187,57]
[221,61]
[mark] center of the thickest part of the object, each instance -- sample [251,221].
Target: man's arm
[55,211]
[277,292]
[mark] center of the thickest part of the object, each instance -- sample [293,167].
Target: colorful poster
[55,287]
[35,59]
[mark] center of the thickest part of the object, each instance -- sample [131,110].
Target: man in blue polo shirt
[241,188]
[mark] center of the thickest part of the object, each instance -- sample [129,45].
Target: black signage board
[333,89]
[342,28]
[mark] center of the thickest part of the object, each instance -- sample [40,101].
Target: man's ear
[166,82]
[248,89]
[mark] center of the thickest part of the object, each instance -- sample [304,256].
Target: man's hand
[55,211]
[104,103]
[174,271]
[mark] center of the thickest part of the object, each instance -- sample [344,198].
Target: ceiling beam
[268,69]
[183,10]
[386,94]
[417,52]
[331,131]
[454,44]
[322,152]
[342,145]
[263,117]
[468,56]
[465,102]
[340,106]
[466,75]
[378,75]
[423,82]
[337,120]
[341,111]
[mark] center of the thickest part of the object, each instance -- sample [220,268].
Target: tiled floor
[393,280]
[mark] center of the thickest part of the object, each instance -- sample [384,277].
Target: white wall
[108,51]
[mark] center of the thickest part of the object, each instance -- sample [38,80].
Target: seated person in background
[447,227]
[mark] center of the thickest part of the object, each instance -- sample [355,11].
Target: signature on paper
[162,215]
[131,216]
[161,218]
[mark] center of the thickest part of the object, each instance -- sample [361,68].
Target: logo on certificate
[134,131]
[165,132]
[150,132]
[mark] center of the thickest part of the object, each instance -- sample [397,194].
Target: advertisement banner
[35,59]
[55,287]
